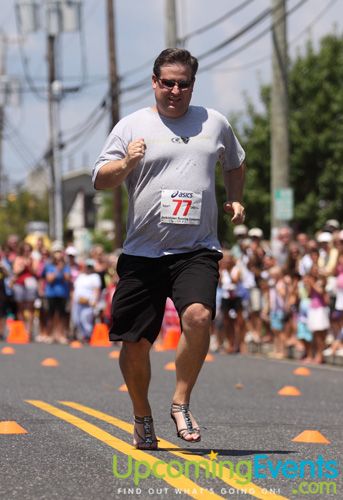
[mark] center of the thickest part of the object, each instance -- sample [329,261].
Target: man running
[167,154]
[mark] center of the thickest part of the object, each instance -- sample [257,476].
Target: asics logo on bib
[180,194]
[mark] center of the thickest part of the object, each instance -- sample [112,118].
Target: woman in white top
[87,287]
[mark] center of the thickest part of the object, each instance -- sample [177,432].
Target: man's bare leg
[134,363]
[135,366]
[190,355]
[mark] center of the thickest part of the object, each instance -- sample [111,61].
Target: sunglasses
[170,84]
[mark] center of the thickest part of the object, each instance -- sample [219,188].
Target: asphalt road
[78,423]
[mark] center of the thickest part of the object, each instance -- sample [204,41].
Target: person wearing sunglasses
[167,156]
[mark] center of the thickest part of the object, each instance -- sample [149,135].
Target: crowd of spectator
[286,293]
[56,292]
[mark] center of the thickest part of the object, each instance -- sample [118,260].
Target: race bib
[180,207]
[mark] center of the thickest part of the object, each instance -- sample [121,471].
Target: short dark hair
[173,56]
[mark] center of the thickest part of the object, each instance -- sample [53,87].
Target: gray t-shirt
[172,203]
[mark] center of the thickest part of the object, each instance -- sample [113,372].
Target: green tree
[316,145]
[18,210]
[316,128]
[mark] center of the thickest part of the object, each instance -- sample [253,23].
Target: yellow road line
[227,476]
[180,482]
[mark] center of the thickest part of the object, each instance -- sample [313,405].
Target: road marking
[228,477]
[181,483]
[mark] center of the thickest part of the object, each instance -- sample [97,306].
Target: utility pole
[2,110]
[171,23]
[51,79]
[2,175]
[54,95]
[279,118]
[61,16]
[9,95]
[114,102]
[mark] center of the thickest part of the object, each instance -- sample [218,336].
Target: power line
[245,29]
[250,42]
[257,20]
[263,15]
[15,126]
[313,22]
[17,148]
[92,120]
[24,63]
[185,38]
[137,98]
[20,147]
[16,136]
[95,117]
[101,105]
[266,58]
[137,69]
[88,126]
[247,65]
[82,136]
[214,23]
[135,86]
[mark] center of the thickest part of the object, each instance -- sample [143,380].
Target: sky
[140,26]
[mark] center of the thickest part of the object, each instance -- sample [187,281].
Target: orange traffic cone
[171,338]
[17,333]
[289,390]
[7,350]
[114,354]
[52,362]
[99,336]
[123,388]
[311,436]
[75,344]
[170,366]
[302,371]
[11,427]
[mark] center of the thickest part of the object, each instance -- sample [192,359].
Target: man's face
[173,101]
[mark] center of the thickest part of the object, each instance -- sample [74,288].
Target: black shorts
[234,303]
[57,305]
[145,283]
[7,306]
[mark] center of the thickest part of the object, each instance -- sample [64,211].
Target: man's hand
[113,173]
[237,210]
[135,152]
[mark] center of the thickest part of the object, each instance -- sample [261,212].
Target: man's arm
[113,173]
[234,184]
